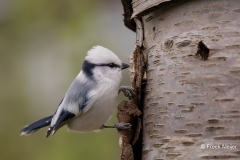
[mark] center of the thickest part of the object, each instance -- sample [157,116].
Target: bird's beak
[124,66]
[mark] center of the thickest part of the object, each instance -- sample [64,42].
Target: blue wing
[75,102]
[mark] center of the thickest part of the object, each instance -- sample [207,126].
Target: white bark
[190,102]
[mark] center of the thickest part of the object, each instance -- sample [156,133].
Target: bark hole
[203,51]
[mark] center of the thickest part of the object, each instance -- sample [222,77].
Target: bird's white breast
[100,109]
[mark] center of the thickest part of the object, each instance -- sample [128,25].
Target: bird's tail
[29,129]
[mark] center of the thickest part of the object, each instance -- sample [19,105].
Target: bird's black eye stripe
[111,65]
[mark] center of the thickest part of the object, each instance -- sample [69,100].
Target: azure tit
[89,101]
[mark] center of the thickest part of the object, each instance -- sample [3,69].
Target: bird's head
[102,63]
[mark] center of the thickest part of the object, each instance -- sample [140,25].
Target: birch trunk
[191,102]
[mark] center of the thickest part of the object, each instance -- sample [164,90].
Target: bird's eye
[111,65]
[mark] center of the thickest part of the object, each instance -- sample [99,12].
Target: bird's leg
[119,126]
[127,91]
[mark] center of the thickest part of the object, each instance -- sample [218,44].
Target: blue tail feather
[37,125]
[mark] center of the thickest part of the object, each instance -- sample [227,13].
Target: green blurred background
[42,46]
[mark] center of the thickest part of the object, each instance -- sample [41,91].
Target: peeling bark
[144,7]
[127,113]
[127,8]
[131,111]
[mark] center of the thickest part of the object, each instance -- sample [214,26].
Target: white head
[101,63]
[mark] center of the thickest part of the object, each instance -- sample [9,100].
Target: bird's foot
[121,125]
[128,91]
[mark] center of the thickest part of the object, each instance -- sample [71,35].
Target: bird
[89,101]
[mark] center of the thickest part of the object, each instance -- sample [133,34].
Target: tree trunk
[191,106]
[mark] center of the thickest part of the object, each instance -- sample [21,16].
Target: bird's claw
[127,91]
[123,125]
